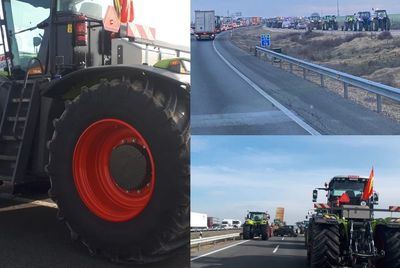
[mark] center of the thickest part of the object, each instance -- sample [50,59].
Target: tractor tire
[247,232]
[388,240]
[139,132]
[325,247]
[264,232]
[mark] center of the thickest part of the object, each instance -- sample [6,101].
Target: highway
[234,92]
[275,252]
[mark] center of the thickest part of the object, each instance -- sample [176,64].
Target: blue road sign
[265,40]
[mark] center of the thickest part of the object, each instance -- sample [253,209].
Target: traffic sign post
[265,40]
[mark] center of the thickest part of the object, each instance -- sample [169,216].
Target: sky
[268,8]
[233,174]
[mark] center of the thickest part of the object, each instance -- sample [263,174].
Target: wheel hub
[129,166]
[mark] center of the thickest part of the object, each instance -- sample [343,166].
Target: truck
[198,221]
[213,222]
[345,232]
[236,224]
[255,21]
[204,25]
[109,139]
[227,223]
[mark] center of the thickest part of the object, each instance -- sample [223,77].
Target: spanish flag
[369,187]
[125,10]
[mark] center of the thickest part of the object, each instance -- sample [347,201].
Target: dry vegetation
[374,57]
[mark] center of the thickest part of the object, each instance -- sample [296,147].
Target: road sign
[265,40]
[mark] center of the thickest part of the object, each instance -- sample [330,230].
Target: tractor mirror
[315,195]
[37,41]
[376,198]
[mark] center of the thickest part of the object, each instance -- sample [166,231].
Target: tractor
[380,21]
[315,22]
[329,23]
[344,231]
[256,224]
[349,23]
[363,21]
[109,139]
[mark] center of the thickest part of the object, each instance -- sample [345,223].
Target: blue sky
[267,8]
[233,174]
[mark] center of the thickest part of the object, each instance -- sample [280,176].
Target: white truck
[198,221]
[204,25]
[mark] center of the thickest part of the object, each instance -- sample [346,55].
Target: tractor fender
[69,86]
[322,220]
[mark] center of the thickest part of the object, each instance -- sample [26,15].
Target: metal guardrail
[213,239]
[347,79]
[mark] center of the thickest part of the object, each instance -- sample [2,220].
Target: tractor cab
[54,37]
[380,14]
[257,216]
[346,190]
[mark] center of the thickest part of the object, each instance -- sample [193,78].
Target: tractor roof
[348,178]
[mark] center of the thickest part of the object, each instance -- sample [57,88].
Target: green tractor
[109,136]
[329,23]
[256,224]
[344,232]
[349,23]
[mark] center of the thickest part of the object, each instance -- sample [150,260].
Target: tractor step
[5,178]
[18,100]
[19,119]
[8,157]
[17,129]
[10,138]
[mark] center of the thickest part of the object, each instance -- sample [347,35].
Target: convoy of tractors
[344,231]
[378,20]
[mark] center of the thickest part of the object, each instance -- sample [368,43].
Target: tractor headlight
[363,203]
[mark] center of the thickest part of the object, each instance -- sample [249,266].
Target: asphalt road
[225,100]
[33,237]
[274,252]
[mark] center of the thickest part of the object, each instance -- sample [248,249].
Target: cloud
[228,185]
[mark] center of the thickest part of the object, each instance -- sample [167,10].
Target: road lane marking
[283,238]
[238,119]
[218,250]
[285,110]
[27,203]
[276,249]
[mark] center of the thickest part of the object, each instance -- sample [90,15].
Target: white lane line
[283,238]
[276,249]
[239,119]
[285,110]
[218,250]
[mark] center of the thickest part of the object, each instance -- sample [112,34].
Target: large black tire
[264,232]
[388,240]
[247,232]
[325,247]
[162,229]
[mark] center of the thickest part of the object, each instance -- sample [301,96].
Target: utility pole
[338,13]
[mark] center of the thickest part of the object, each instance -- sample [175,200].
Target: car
[287,230]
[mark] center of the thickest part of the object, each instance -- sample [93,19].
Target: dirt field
[373,56]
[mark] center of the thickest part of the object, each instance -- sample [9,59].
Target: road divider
[213,240]
[378,89]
